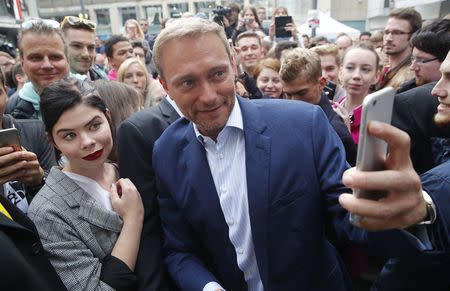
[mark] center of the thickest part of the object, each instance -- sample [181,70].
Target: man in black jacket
[301,77]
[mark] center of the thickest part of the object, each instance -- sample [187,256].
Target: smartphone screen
[372,150]
[280,24]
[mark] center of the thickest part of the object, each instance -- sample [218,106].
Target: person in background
[267,78]
[249,21]
[44,59]
[139,50]
[6,62]
[15,78]
[305,39]
[302,79]
[343,41]
[358,73]
[282,11]
[318,40]
[283,47]
[133,31]
[134,73]
[430,46]
[122,100]
[143,23]
[230,21]
[80,37]
[376,40]
[330,61]
[401,25]
[249,51]
[99,48]
[117,49]
[92,227]
[261,12]
[365,36]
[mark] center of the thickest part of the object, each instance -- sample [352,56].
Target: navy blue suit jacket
[294,165]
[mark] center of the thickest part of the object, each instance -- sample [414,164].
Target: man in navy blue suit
[247,188]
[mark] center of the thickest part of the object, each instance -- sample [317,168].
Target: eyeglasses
[73,20]
[420,61]
[48,22]
[395,32]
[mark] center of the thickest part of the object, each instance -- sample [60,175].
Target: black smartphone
[330,89]
[280,24]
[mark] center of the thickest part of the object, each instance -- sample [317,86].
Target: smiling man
[43,55]
[256,180]
[80,36]
[430,46]
[250,51]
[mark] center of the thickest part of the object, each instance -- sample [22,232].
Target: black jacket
[341,129]
[25,265]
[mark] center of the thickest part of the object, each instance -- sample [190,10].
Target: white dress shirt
[226,160]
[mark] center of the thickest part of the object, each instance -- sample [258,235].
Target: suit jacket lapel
[197,171]
[168,111]
[89,209]
[257,156]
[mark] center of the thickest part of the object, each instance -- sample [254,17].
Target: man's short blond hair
[328,49]
[301,62]
[191,27]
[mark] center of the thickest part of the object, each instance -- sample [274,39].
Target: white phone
[372,150]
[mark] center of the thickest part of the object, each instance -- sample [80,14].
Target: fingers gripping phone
[280,23]
[10,137]
[372,150]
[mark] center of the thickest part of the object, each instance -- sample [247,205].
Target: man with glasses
[401,24]
[80,36]
[430,46]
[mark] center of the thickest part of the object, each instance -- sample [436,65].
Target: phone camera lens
[374,102]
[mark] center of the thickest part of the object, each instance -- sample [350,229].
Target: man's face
[232,16]
[6,64]
[365,38]
[139,54]
[442,91]
[396,36]
[425,72]
[261,14]
[98,43]
[199,77]
[144,25]
[122,50]
[343,43]
[250,53]
[303,90]
[81,48]
[330,69]
[44,60]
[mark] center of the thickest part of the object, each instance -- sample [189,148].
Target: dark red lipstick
[94,155]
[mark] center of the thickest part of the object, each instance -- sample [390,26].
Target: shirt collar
[234,120]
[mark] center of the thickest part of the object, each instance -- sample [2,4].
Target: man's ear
[50,140]
[164,85]
[322,82]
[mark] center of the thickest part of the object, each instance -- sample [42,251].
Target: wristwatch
[431,209]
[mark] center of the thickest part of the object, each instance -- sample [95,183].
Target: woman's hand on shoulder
[126,200]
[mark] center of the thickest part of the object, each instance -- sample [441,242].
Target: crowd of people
[217,155]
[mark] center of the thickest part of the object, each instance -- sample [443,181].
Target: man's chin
[442,120]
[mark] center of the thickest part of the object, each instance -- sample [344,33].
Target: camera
[220,12]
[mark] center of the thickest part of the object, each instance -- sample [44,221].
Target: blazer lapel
[168,111]
[257,156]
[89,209]
[203,188]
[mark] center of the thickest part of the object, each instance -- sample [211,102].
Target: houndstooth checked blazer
[75,230]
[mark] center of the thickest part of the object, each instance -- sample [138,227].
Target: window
[153,14]
[175,10]
[103,23]
[127,13]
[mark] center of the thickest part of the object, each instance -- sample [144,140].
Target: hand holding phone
[280,26]
[372,150]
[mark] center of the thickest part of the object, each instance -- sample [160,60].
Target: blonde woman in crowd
[133,72]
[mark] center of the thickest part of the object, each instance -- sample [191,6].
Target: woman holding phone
[88,219]
[359,71]
[249,21]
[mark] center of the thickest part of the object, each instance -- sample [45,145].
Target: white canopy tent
[329,27]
